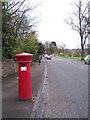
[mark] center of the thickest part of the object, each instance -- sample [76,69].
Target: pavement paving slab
[12,107]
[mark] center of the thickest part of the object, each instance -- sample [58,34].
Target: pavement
[12,106]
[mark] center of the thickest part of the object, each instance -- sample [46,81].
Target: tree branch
[12,5]
[18,7]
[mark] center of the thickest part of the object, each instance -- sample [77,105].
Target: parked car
[48,57]
[51,55]
[87,60]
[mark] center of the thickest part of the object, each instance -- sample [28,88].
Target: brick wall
[9,66]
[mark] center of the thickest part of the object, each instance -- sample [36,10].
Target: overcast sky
[52,26]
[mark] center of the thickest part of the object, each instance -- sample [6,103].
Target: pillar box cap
[23,57]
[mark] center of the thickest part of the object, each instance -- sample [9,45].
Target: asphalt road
[66,89]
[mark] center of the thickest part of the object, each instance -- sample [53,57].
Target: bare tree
[79,22]
[63,47]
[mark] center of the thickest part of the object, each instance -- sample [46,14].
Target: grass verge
[71,57]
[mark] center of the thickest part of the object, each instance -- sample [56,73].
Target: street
[44,58]
[63,92]
[66,89]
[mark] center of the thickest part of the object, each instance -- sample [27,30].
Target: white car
[46,55]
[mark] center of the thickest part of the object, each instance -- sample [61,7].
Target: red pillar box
[24,77]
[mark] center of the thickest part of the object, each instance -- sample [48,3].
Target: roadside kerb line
[43,92]
[45,78]
[38,109]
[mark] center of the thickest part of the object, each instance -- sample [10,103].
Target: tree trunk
[82,58]
[82,48]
